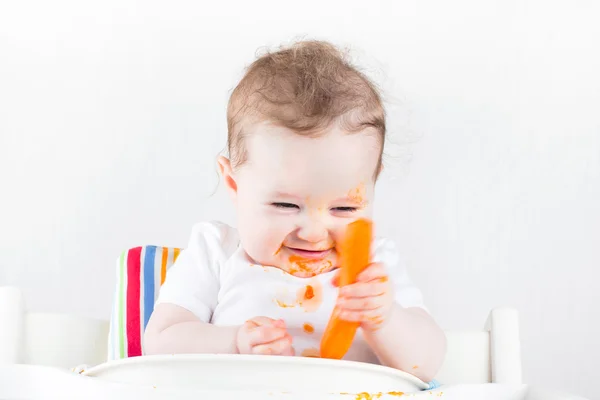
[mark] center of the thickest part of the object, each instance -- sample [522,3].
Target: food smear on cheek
[358,194]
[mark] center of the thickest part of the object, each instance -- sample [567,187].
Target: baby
[306,134]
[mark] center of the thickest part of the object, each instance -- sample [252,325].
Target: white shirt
[214,279]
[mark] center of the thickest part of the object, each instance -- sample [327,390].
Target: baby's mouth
[309,254]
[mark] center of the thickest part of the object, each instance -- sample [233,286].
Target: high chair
[488,355]
[49,339]
[41,340]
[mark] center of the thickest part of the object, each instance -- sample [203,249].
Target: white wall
[112,114]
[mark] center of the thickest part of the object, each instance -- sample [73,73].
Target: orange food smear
[371,396]
[376,320]
[305,267]
[311,352]
[284,305]
[358,194]
[416,367]
[308,328]
[367,396]
[354,258]
[310,297]
[310,293]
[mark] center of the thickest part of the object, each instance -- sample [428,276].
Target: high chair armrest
[505,348]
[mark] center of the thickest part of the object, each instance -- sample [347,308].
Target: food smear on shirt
[311,352]
[260,266]
[310,296]
[283,304]
[308,328]
[309,293]
[415,367]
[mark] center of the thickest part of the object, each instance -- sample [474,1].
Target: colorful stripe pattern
[140,273]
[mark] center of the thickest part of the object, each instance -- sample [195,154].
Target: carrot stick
[354,258]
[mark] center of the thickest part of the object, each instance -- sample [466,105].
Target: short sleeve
[405,292]
[193,281]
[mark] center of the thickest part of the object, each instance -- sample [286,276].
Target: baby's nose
[313,231]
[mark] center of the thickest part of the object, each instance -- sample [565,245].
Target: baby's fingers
[360,316]
[360,303]
[375,271]
[265,334]
[282,346]
[364,289]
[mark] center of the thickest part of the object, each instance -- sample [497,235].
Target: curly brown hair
[306,88]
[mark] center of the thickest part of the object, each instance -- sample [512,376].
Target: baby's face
[295,194]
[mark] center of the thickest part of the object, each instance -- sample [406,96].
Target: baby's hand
[262,335]
[369,300]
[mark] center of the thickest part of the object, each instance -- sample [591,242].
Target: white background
[112,114]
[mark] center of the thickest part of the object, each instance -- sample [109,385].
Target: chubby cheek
[262,235]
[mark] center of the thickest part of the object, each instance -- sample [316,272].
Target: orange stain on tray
[308,328]
[371,396]
[311,352]
[310,297]
[368,396]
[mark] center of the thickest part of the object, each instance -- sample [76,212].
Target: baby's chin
[296,264]
[305,267]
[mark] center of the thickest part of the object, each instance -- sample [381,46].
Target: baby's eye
[286,206]
[344,209]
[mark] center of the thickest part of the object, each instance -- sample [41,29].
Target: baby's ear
[227,174]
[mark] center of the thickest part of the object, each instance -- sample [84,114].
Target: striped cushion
[140,273]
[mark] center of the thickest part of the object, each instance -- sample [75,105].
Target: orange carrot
[354,258]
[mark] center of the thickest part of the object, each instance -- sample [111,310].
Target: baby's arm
[411,341]
[406,338]
[175,330]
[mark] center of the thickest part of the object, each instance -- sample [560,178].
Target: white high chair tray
[39,382]
[257,373]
